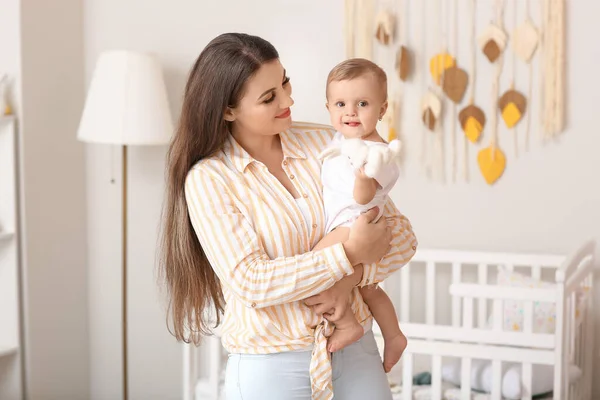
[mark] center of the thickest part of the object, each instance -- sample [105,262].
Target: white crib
[452,310]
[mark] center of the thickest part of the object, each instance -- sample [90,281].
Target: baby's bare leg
[383,311]
[347,329]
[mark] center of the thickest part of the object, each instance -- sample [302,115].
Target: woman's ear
[229,115]
[384,108]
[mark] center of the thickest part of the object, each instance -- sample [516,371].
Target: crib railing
[474,335]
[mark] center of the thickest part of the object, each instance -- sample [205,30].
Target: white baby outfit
[338,176]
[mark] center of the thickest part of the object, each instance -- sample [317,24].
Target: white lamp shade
[127,102]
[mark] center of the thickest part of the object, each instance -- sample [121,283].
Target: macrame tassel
[404,63]
[472,121]
[455,83]
[385,27]
[431,109]
[439,64]
[512,106]
[492,163]
[492,42]
[525,40]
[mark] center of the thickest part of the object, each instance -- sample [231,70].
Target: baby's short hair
[356,67]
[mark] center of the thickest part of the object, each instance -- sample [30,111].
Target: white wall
[546,202]
[53,202]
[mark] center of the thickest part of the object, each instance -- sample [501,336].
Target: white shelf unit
[10,354]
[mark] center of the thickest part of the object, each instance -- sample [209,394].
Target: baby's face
[356,105]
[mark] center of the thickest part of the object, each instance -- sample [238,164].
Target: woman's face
[264,108]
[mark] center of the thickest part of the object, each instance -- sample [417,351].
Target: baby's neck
[372,137]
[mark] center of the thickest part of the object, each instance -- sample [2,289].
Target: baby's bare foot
[344,337]
[393,350]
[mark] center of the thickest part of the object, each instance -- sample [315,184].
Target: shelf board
[6,235]
[8,350]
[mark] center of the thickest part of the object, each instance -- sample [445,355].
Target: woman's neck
[260,147]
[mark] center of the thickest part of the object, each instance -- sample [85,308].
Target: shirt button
[414,247]
[305,196]
[253,305]
[284,162]
[314,226]
[291,176]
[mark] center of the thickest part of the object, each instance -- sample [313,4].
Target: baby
[356,100]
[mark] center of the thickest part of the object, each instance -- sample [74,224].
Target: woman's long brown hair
[216,82]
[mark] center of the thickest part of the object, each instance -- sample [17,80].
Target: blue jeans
[357,374]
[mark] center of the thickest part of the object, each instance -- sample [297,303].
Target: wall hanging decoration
[403,63]
[437,90]
[492,42]
[471,117]
[455,79]
[491,160]
[454,83]
[513,104]
[552,67]
[385,27]
[358,28]
[438,64]
[431,110]
[404,56]
[524,44]
[433,99]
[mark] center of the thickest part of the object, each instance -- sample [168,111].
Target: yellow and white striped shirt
[259,244]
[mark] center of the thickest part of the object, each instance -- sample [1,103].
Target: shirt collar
[241,158]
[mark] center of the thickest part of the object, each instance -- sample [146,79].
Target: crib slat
[407,375]
[559,358]
[527,381]
[436,377]
[528,317]
[468,312]
[482,303]
[465,379]
[536,272]
[573,326]
[589,338]
[456,273]
[430,293]
[497,316]
[496,380]
[405,293]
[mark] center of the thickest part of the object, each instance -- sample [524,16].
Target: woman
[243,210]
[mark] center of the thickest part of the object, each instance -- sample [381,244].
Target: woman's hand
[332,303]
[368,242]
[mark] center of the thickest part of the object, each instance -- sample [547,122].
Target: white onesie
[338,176]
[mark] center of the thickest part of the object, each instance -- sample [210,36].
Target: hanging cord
[442,38]
[513,81]
[495,85]
[424,133]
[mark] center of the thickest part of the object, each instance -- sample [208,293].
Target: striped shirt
[259,245]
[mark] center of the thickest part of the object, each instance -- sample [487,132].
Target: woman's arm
[404,246]
[235,252]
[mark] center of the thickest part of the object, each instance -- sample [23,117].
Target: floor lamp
[126,105]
